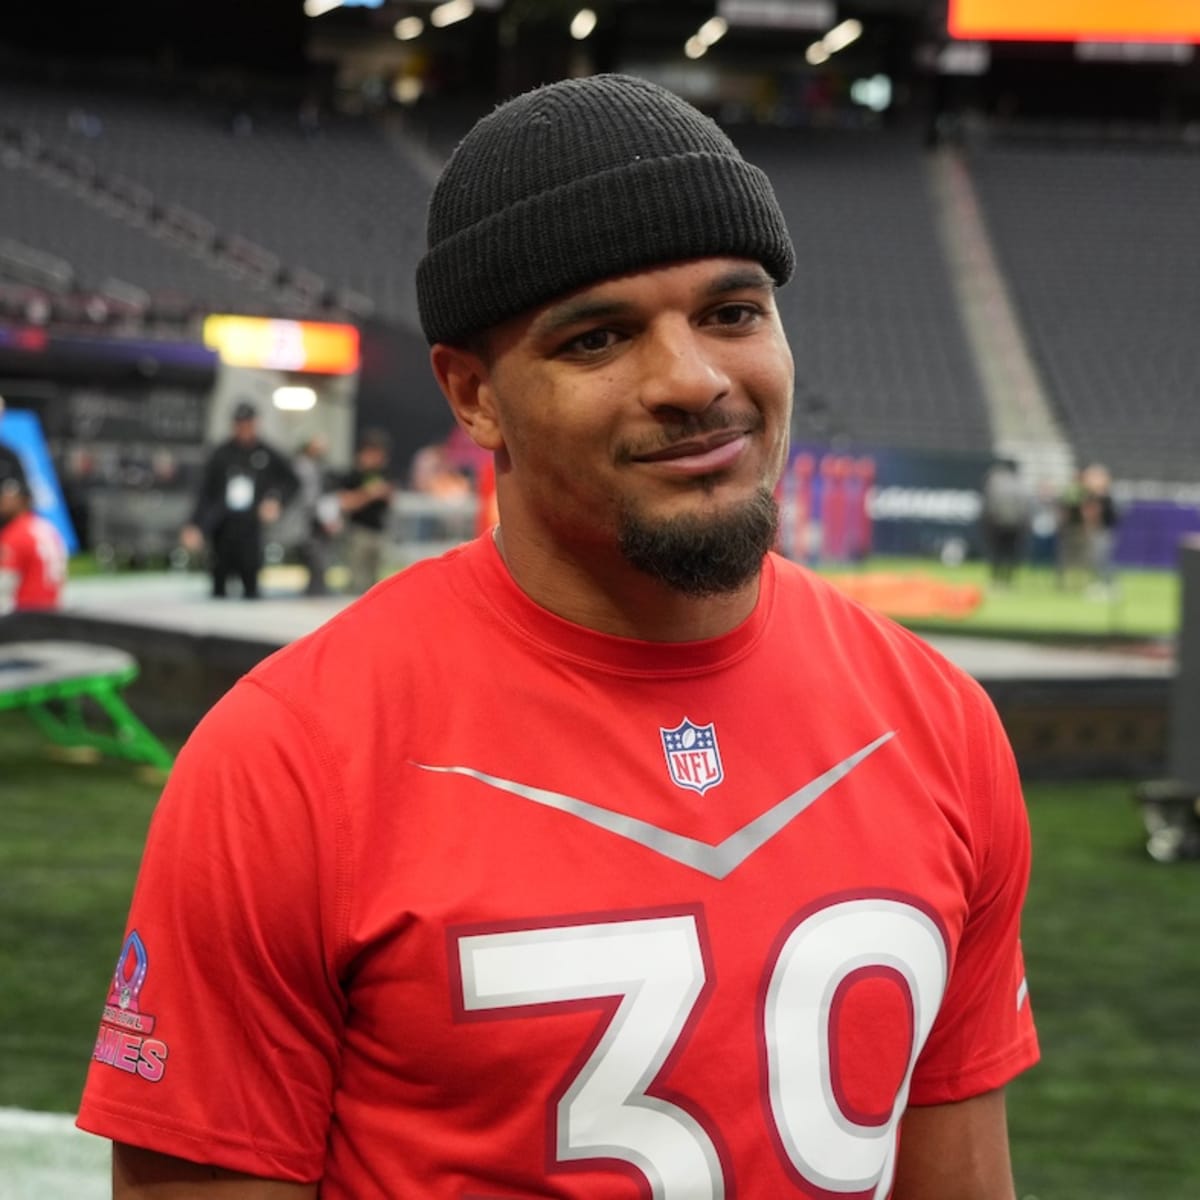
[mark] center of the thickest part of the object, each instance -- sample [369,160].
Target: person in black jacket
[246,483]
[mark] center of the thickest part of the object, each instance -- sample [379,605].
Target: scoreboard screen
[1075,20]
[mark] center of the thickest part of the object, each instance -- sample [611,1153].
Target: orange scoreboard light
[1076,20]
[315,347]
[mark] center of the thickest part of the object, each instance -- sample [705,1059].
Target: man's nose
[679,368]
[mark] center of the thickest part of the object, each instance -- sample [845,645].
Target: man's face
[650,413]
[245,432]
[11,502]
[372,458]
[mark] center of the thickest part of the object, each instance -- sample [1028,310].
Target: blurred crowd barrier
[422,525]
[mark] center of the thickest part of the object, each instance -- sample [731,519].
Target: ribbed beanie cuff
[580,181]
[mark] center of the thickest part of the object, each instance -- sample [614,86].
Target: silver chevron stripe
[717,861]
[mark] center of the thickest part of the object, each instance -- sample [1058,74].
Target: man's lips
[699,456]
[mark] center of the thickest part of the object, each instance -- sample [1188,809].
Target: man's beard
[702,555]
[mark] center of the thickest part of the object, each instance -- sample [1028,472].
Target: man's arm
[284,482]
[10,578]
[8,590]
[212,491]
[955,1151]
[141,1173]
[352,499]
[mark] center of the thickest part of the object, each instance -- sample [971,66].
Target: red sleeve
[984,1034]
[220,1036]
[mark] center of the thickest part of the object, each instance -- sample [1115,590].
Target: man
[365,498]
[33,557]
[609,855]
[1007,509]
[245,484]
[319,507]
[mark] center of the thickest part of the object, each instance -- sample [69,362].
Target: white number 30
[656,966]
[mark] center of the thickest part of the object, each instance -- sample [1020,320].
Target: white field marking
[46,1158]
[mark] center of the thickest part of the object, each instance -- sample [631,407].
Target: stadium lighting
[874,93]
[408,28]
[582,24]
[294,399]
[408,89]
[318,8]
[451,13]
[840,36]
[713,30]
[709,34]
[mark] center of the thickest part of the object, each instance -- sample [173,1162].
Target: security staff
[246,483]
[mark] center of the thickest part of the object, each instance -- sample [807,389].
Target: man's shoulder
[404,619]
[15,530]
[818,607]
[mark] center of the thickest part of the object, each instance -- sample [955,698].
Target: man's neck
[611,596]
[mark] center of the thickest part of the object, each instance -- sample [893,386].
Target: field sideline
[46,1158]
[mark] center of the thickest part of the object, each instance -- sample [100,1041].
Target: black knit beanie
[579,181]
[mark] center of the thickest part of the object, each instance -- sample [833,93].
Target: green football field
[1110,939]
[1144,603]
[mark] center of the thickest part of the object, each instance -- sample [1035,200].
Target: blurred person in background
[246,482]
[1099,518]
[1071,563]
[608,854]
[319,508]
[1007,511]
[33,557]
[433,475]
[365,498]
[1043,525]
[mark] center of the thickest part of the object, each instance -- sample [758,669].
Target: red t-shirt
[453,898]
[33,550]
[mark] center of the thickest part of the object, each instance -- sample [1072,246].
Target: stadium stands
[333,214]
[1101,247]
[184,200]
[881,355]
[95,247]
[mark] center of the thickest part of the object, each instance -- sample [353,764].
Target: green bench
[64,685]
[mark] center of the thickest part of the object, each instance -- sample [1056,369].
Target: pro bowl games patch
[124,1041]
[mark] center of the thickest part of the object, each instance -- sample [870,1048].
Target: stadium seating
[188,199]
[338,210]
[1101,248]
[94,246]
[881,355]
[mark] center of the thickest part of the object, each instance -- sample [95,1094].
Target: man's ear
[465,380]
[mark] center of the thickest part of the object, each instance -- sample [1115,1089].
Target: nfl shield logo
[693,759]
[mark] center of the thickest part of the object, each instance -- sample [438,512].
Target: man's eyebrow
[738,279]
[571,312]
[584,308]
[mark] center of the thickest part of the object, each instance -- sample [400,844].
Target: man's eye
[735,314]
[591,342]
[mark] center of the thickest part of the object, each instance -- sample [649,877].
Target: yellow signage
[316,347]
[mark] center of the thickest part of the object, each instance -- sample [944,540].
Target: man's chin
[706,549]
